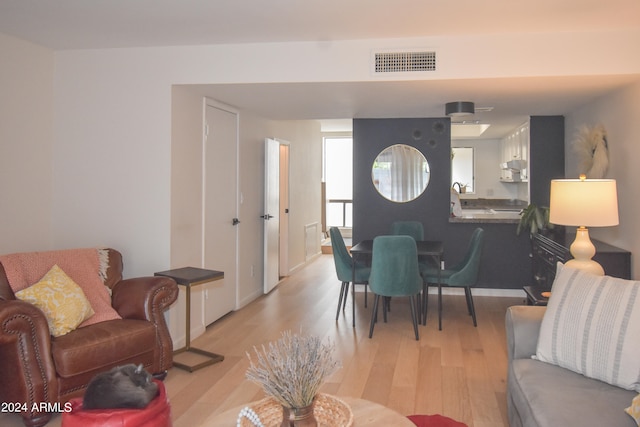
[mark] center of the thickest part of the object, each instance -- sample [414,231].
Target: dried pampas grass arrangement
[292,369]
[592,150]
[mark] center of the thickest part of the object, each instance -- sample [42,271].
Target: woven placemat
[328,410]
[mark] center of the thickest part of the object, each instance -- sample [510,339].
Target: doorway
[276,212]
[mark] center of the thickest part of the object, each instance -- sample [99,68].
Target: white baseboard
[249,298]
[258,292]
[489,292]
[304,263]
[181,340]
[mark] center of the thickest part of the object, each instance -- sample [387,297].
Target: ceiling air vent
[398,62]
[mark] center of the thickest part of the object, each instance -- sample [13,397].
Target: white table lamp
[584,203]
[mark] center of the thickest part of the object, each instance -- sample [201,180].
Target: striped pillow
[592,327]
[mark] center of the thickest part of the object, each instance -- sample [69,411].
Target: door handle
[235,221]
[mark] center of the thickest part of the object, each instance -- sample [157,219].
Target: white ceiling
[89,24]
[513,99]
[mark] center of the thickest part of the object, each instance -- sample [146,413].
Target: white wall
[305,189]
[186,221]
[619,113]
[304,200]
[112,130]
[186,195]
[112,156]
[111,115]
[186,177]
[26,134]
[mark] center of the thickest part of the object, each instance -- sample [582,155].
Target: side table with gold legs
[189,277]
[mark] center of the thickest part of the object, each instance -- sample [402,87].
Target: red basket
[156,414]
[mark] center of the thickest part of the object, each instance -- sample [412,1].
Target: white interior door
[284,209]
[220,224]
[271,214]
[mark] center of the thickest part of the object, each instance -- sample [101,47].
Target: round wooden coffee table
[365,413]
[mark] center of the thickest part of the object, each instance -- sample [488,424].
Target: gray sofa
[543,395]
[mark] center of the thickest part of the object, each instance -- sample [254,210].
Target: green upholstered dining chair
[395,273]
[346,271]
[414,229]
[464,274]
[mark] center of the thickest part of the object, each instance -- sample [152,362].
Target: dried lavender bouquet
[292,369]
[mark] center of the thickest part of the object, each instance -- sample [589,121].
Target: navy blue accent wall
[546,156]
[372,213]
[505,261]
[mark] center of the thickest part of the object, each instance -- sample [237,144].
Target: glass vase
[298,417]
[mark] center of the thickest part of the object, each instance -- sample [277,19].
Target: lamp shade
[584,202]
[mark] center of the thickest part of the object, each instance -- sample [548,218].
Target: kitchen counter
[505,211]
[488,216]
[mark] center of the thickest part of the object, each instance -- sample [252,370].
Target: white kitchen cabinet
[515,147]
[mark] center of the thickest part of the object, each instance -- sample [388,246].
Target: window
[462,169]
[338,179]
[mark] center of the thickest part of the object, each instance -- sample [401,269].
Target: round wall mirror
[400,173]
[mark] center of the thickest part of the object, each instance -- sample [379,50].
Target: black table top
[191,275]
[425,247]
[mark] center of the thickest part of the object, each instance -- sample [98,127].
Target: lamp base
[582,250]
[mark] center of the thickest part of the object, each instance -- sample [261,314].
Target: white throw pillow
[592,326]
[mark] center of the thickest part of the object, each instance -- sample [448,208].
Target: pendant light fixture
[459,108]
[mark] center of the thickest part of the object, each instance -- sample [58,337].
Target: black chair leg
[439,307]
[374,314]
[425,302]
[346,294]
[414,317]
[340,301]
[471,307]
[467,296]
[353,303]
[366,285]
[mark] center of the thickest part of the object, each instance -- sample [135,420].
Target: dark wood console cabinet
[548,250]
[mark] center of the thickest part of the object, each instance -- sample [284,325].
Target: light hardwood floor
[459,372]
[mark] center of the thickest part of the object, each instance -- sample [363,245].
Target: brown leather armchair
[37,368]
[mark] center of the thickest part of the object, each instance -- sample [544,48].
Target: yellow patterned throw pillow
[60,299]
[634,409]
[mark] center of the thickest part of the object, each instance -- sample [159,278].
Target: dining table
[433,249]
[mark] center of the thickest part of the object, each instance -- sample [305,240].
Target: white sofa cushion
[592,327]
